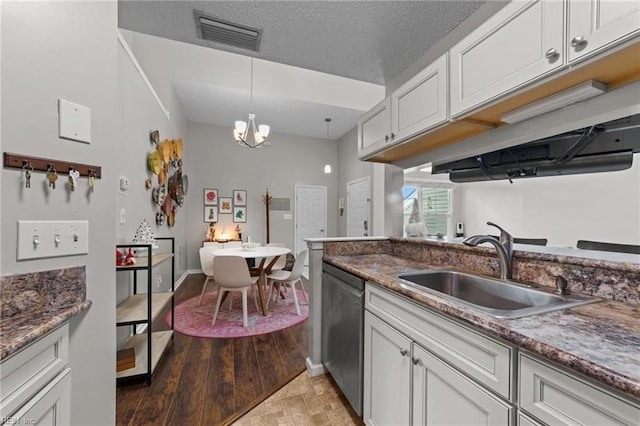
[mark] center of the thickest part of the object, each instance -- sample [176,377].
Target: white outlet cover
[74,121]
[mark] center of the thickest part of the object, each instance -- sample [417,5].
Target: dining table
[259,252]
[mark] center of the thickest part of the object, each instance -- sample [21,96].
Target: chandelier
[244,129]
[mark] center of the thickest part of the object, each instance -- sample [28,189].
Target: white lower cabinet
[559,398]
[35,383]
[421,368]
[443,396]
[387,374]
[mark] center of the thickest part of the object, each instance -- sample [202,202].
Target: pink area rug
[195,320]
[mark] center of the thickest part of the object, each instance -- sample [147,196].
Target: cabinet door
[442,396]
[420,103]
[557,398]
[509,50]
[50,406]
[387,374]
[374,129]
[597,23]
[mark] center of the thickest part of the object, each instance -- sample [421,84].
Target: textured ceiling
[370,41]
[367,41]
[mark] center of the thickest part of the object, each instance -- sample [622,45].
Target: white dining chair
[232,274]
[282,260]
[206,263]
[281,278]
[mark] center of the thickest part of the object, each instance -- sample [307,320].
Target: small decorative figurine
[415,227]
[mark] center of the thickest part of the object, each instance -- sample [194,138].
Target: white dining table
[260,252]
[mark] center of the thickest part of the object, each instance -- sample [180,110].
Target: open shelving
[142,308]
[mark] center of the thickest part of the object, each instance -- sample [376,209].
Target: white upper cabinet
[421,102]
[597,23]
[416,106]
[374,130]
[520,43]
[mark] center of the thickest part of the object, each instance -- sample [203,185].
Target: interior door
[311,214]
[358,201]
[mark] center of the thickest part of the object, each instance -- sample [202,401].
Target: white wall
[54,50]
[215,161]
[564,209]
[138,114]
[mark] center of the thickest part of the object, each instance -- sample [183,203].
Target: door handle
[366,226]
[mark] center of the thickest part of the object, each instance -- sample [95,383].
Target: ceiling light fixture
[572,95]
[243,128]
[327,120]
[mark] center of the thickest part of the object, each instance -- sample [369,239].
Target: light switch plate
[74,121]
[48,238]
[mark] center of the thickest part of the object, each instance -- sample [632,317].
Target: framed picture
[210,214]
[225,205]
[210,197]
[239,197]
[240,214]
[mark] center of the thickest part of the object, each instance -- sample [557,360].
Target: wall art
[210,214]
[240,214]
[239,197]
[210,197]
[225,205]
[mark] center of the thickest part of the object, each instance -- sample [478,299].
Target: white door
[311,214]
[358,201]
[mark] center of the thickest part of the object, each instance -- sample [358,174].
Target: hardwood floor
[212,381]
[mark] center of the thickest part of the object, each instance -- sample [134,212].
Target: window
[434,204]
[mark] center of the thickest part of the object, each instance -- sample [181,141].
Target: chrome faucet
[504,247]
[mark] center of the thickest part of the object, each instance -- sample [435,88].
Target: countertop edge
[39,328]
[619,382]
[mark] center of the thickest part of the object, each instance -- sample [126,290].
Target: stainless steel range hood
[603,147]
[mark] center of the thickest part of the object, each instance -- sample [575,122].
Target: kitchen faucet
[504,247]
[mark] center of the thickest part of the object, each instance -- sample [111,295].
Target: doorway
[358,207]
[310,215]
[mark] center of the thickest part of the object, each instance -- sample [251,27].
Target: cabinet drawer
[558,398]
[26,372]
[482,358]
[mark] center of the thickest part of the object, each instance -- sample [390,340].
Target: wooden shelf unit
[143,308]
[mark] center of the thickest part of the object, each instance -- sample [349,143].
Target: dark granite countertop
[600,340]
[19,331]
[36,303]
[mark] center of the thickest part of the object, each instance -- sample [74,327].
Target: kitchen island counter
[599,340]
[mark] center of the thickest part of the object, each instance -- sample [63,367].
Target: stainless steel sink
[497,297]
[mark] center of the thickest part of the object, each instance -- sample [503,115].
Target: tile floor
[303,401]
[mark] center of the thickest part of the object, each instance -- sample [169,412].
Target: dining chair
[289,278]
[206,263]
[282,260]
[232,274]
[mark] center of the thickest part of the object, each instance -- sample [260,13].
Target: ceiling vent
[225,32]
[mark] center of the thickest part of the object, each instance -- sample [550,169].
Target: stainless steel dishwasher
[343,331]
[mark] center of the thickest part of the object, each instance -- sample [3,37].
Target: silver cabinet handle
[393,135]
[416,361]
[578,41]
[322,230]
[404,352]
[552,54]
[386,138]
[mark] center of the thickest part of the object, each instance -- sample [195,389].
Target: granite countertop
[36,303]
[19,331]
[600,340]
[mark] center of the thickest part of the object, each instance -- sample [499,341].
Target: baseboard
[314,369]
[193,271]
